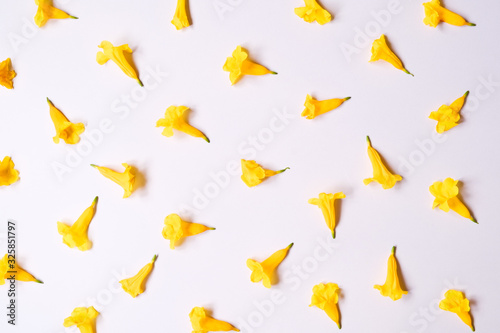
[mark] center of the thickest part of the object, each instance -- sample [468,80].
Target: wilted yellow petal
[315,108]
[175,118]
[239,65]
[381,174]
[137,283]
[456,302]
[47,11]
[181,19]
[313,12]
[326,297]
[445,194]
[65,130]
[76,235]
[8,175]
[175,229]
[264,271]
[125,179]
[7,74]
[202,323]
[83,318]
[10,268]
[391,287]
[118,55]
[381,51]
[435,13]
[326,202]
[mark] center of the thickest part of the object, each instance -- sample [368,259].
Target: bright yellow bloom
[117,54]
[175,229]
[326,297]
[181,19]
[315,108]
[313,12]
[448,116]
[7,74]
[46,11]
[326,202]
[264,271]
[202,323]
[176,119]
[83,318]
[9,267]
[435,13]
[381,51]
[8,175]
[125,179]
[239,65]
[65,130]
[254,174]
[391,287]
[446,194]
[456,302]
[137,284]
[76,235]
[381,174]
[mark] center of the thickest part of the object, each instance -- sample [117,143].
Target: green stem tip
[154,258]
[282,170]
[333,234]
[140,82]
[38,281]
[289,246]
[347,98]
[49,101]
[206,139]
[211,228]
[73,17]
[95,199]
[368,140]
[93,165]
[406,71]
[393,249]
[466,93]
[274,73]
[474,220]
[472,24]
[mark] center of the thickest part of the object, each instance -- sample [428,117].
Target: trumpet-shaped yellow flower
[202,323]
[456,302]
[239,65]
[47,11]
[315,108]
[446,194]
[254,174]
[391,287]
[136,285]
[326,202]
[176,119]
[181,19]
[118,55]
[381,174]
[83,318]
[175,229]
[8,175]
[7,74]
[326,297]
[381,51]
[65,130]
[76,235]
[313,12]
[435,13]
[9,268]
[448,116]
[125,179]
[264,271]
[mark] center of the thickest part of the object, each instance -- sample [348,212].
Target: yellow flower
[326,297]
[456,302]
[7,74]
[435,13]
[46,11]
[326,202]
[65,129]
[181,19]
[202,323]
[83,318]
[9,267]
[8,175]
[176,119]
[125,179]
[381,174]
[446,198]
[76,235]
[119,57]
[381,51]
[391,287]
[315,108]
[264,271]
[137,284]
[239,65]
[254,174]
[175,229]
[448,116]
[313,12]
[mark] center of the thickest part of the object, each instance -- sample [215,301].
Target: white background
[436,250]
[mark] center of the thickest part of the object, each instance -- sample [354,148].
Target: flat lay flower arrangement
[250,239]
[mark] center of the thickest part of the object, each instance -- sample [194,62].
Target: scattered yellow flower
[202,323]
[181,19]
[8,175]
[137,284]
[254,174]
[239,65]
[326,297]
[313,12]
[76,235]
[435,13]
[125,179]
[117,54]
[175,229]
[326,202]
[381,174]
[65,130]
[264,271]
[7,74]
[381,51]
[448,116]
[315,108]
[391,287]
[176,119]
[46,11]
[456,302]
[446,194]
[83,318]
[10,268]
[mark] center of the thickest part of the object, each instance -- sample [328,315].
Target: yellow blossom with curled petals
[65,129]
[47,11]
[125,179]
[76,235]
[382,51]
[326,202]
[315,108]
[239,65]
[265,271]
[435,13]
[326,297]
[181,19]
[448,116]
[253,174]
[8,175]
[313,12]
[175,229]
[456,302]
[118,55]
[202,323]
[175,118]
[391,287]
[381,174]
[136,285]
[7,74]
[10,268]
[446,198]
[83,318]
